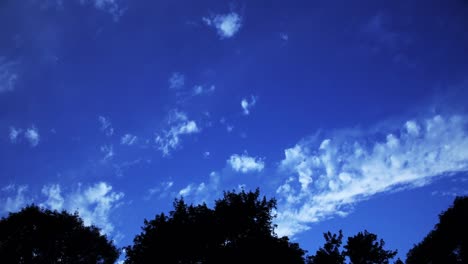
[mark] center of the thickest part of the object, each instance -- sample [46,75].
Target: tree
[364,248]
[36,235]
[330,253]
[238,230]
[448,241]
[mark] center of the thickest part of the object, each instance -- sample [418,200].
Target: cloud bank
[327,177]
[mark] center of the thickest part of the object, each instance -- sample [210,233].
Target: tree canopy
[363,248]
[238,230]
[448,241]
[36,235]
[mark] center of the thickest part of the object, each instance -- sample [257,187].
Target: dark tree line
[239,229]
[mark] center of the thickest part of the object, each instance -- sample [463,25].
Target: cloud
[32,135]
[8,75]
[163,190]
[179,125]
[200,89]
[203,192]
[108,151]
[245,164]
[226,25]
[247,105]
[327,178]
[14,133]
[106,126]
[128,139]
[176,81]
[16,199]
[54,200]
[110,6]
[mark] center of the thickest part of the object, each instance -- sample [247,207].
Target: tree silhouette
[238,230]
[448,241]
[36,235]
[330,253]
[364,248]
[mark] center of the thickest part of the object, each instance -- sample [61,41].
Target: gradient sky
[352,114]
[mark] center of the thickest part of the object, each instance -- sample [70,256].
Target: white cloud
[54,200]
[179,123]
[8,75]
[206,154]
[226,25]
[247,105]
[32,135]
[94,204]
[110,6]
[15,200]
[245,164]
[128,139]
[176,81]
[163,190]
[203,192]
[108,151]
[200,89]
[326,178]
[106,126]
[14,133]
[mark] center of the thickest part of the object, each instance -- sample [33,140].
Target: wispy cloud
[204,191]
[128,139]
[245,164]
[94,203]
[108,151]
[325,178]
[179,125]
[247,105]
[226,25]
[176,81]
[106,126]
[32,135]
[200,89]
[162,189]
[14,134]
[8,75]
[16,198]
[112,7]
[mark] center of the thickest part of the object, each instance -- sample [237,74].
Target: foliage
[330,253]
[363,248]
[238,230]
[448,241]
[35,235]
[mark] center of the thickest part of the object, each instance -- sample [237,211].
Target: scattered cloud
[326,178]
[203,192]
[8,75]
[54,200]
[112,7]
[32,135]
[108,151]
[200,89]
[245,164]
[128,139]
[226,25]
[206,154]
[179,125]
[247,105]
[106,126]
[176,81]
[284,36]
[14,133]
[15,200]
[162,189]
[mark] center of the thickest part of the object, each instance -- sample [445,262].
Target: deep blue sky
[352,114]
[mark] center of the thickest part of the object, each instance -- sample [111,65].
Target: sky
[352,114]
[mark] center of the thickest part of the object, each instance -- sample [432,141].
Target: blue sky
[352,114]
